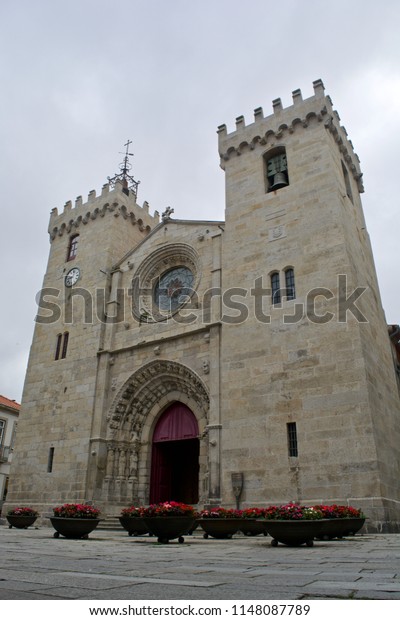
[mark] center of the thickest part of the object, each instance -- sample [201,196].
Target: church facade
[218,362]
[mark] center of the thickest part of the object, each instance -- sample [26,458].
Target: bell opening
[278,180]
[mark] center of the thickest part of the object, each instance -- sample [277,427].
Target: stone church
[238,362]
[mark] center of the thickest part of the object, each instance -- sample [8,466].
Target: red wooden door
[175,456]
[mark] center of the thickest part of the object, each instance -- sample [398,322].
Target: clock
[72,277]
[173,288]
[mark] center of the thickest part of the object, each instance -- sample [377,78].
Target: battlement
[114,201]
[272,130]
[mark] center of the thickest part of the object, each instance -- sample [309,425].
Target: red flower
[220,513]
[336,511]
[22,511]
[253,513]
[76,511]
[169,509]
[132,511]
[292,512]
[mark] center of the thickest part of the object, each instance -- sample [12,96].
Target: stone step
[110,523]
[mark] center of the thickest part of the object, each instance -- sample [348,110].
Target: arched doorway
[175,457]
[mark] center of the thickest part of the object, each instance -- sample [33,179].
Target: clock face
[173,288]
[72,277]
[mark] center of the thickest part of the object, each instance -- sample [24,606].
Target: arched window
[276,169]
[73,247]
[275,288]
[289,284]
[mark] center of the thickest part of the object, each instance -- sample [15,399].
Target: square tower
[309,402]
[53,451]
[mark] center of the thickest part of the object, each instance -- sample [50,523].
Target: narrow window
[65,345]
[276,169]
[58,347]
[73,247]
[50,460]
[289,284]
[61,346]
[347,182]
[4,450]
[292,438]
[275,288]
[2,430]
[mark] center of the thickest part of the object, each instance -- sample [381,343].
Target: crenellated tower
[309,384]
[59,396]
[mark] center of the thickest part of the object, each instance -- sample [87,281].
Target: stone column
[214,421]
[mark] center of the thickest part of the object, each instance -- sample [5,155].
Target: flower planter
[254,527]
[135,526]
[168,528]
[338,528]
[221,528]
[73,527]
[294,533]
[20,521]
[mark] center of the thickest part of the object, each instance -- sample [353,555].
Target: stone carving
[128,415]
[169,256]
[206,367]
[147,386]
[133,462]
[110,462]
[122,463]
[166,215]
[277,232]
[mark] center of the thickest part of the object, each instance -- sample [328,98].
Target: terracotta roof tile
[6,402]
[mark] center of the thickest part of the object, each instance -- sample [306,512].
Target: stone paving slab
[112,566]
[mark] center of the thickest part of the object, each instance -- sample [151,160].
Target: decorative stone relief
[128,415]
[151,269]
[277,232]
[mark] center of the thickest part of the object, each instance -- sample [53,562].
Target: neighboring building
[196,360]
[9,412]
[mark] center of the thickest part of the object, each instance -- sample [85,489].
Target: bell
[279,181]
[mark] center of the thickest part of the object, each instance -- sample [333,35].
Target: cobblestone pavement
[112,566]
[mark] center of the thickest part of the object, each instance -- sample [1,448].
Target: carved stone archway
[131,421]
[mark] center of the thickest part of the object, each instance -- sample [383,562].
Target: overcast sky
[79,77]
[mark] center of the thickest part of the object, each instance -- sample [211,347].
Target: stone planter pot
[338,528]
[294,533]
[20,521]
[221,528]
[73,528]
[254,527]
[135,526]
[169,528]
